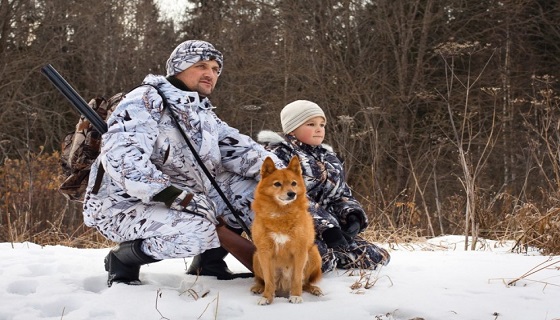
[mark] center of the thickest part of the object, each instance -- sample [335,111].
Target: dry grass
[32,210]
[527,226]
[82,238]
[539,230]
[535,230]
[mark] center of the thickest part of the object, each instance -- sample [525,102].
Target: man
[154,199]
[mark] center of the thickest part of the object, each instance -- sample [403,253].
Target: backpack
[81,147]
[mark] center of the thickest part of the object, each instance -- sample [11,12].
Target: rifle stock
[241,248]
[75,99]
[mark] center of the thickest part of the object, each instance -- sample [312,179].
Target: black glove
[334,238]
[352,227]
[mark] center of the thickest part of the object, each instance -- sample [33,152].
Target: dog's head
[284,186]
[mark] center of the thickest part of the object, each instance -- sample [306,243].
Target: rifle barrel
[75,99]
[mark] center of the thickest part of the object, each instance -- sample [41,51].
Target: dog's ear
[267,168]
[294,165]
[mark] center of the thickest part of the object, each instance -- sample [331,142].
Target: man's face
[201,76]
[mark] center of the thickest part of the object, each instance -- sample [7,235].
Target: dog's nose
[291,194]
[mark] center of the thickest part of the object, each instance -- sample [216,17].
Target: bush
[31,207]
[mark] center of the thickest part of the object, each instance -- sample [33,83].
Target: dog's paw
[314,290]
[257,289]
[295,299]
[263,301]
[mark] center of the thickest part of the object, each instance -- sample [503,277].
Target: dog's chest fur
[279,238]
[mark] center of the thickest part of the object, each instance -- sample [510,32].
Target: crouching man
[146,190]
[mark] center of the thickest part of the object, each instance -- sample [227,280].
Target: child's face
[312,132]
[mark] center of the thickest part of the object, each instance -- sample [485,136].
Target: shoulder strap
[234,211]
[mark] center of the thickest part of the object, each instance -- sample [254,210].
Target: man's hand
[334,238]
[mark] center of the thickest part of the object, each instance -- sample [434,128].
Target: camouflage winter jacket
[143,152]
[330,196]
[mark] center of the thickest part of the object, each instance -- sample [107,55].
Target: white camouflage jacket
[143,152]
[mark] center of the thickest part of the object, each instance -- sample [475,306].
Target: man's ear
[267,168]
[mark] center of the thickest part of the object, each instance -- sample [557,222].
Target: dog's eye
[294,183]
[277,184]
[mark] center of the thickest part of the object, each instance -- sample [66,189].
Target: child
[337,215]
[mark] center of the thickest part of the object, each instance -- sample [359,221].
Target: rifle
[75,99]
[241,248]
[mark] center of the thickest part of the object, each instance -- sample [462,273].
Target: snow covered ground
[432,280]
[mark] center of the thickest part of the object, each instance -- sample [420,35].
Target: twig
[541,266]
[546,284]
[369,284]
[193,292]
[367,280]
[217,299]
[217,304]
[533,270]
[158,295]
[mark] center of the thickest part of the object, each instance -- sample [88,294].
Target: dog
[286,261]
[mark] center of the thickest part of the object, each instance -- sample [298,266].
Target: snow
[429,280]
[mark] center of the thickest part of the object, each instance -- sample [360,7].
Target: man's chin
[204,92]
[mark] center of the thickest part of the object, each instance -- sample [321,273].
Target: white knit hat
[297,113]
[190,52]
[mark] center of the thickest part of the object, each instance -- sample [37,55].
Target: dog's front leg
[258,287]
[268,273]
[297,276]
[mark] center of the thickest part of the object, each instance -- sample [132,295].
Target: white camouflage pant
[169,233]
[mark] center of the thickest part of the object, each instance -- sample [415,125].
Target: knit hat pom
[190,52]
[297,113]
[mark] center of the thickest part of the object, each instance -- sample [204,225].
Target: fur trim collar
[268,136]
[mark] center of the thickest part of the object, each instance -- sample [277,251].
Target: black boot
[211,263]
[123,262]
